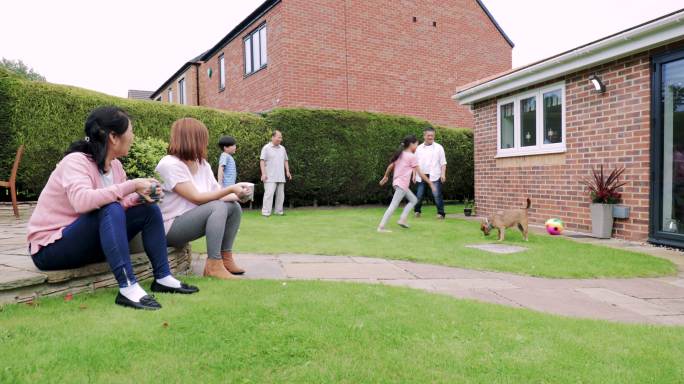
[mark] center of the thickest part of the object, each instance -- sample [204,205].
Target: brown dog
[506,219]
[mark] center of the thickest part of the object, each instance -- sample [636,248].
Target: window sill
[530,152]
[221,89]
[255,72]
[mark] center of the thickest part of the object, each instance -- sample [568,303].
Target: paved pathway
[642,300]
[646,300]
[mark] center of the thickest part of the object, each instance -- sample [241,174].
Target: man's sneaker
[417,215]
[440,217]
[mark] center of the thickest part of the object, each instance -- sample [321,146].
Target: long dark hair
[408,140]
[99,124]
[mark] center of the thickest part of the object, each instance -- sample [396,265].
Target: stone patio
[642,300]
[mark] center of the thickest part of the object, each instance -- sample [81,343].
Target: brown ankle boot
[230,265]
[215,268]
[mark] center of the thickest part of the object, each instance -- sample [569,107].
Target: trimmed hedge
[335,156]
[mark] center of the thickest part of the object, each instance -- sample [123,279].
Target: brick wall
[258,92]
[190,76]
[363,55]
[612,129]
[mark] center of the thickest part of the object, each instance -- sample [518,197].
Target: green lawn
[271,332]
[353,232]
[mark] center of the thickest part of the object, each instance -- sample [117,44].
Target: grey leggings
[399,195]
[218,220]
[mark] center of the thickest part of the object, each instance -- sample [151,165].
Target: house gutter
[640,38]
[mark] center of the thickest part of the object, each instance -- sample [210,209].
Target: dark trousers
[437,194]
[104,234]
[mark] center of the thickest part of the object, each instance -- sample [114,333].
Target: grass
[268,331]
[351,231]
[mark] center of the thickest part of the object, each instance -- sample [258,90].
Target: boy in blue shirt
[227,171]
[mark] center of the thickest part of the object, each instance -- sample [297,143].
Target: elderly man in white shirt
[275,167]
[432,163]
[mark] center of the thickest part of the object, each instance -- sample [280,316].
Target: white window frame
[540,148]
[222,72]
[182,99]
[169,94]
[249,54]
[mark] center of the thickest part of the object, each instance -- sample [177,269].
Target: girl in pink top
[88,212]
[405,165]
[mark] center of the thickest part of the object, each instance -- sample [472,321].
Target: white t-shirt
[173,171]
[107,179]
[430,160]
[275,158]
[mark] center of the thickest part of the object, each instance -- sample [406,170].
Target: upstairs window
[181,91]
[222,72]
[255,45]
[532,123]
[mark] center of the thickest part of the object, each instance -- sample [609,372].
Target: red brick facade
[362,55]
[610,129]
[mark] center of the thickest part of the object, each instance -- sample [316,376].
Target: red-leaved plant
[603,190]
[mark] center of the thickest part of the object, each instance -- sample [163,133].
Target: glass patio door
[667,211]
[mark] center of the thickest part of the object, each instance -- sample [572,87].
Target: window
[256,56]
[170,92]
[181,91]
[222,72]
[532,122]
[507,126]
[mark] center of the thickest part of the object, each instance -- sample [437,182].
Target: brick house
[540,129]
[398,57]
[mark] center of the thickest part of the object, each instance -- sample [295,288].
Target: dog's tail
[529,203]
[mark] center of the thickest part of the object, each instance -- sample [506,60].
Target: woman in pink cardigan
[88,212]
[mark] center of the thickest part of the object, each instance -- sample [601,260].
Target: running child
[405,164]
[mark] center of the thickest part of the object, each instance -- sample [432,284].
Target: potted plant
[468,207]
[604,194]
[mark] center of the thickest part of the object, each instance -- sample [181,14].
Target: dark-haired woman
[405,165]
[88,212]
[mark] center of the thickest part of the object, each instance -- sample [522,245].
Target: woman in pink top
[405,164]
[88,212]
[195,204]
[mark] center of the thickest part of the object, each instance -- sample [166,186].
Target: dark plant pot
[467,211]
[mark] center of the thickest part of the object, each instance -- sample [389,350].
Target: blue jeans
[437,194]
[104,234]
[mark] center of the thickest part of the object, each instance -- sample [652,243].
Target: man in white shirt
[432,163]
[275,167]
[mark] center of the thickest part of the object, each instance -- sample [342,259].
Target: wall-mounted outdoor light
[597,83]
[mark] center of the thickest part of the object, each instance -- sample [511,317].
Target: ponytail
[408,140]
[99,124]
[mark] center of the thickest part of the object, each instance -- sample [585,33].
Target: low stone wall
[86,279]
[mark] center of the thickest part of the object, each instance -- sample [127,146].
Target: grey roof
[139,95]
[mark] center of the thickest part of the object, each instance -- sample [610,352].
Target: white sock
[169,281]
[133,293]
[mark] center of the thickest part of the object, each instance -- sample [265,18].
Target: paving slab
[368,260]
[670,320]
[485,295]
[314,259]
[640,306]
[676,305]
[569,303]
[428,271]
[425,285]
[490,284]
[497,248]
[267,268]
[645,288]
[344,271]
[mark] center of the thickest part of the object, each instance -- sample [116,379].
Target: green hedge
[335,156]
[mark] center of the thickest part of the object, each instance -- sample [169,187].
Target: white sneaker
[417,215]
[384,230]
